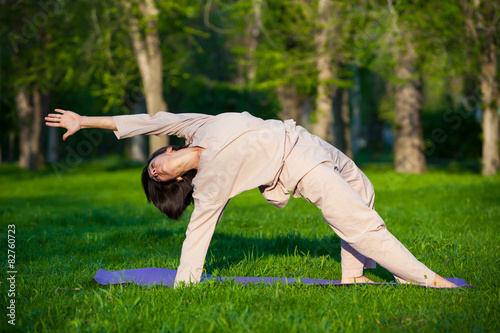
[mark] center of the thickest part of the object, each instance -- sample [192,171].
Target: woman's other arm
[198,236]
[73,122]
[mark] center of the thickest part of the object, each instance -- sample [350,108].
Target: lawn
[96,216]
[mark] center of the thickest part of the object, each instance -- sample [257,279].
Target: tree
[30,125]
[409,142]
[137,47]
[246,37]
[406,43]
[322,125]
[36,56]
[147,52]
[482,22]
[333,61]
[290,100]
[285,58]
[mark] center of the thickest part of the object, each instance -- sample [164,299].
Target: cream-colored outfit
[243,152]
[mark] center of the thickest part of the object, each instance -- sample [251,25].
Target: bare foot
[360,279]
[440,282]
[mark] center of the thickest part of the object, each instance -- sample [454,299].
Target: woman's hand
[67,119]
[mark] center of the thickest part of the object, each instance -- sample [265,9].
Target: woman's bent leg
[358,225]
[353,262]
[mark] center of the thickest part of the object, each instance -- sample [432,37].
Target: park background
[408,89]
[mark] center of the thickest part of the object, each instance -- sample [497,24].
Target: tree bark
[138,143]
[148,55]
[489,92]
[345,122]
[482,25]
[247,72]
[289,98]
[53,140]
[24,117]
[372,88]
[356,123]
[12,144]
[30,125]
[322,124]
[36,135]
[409,143]
[306,109]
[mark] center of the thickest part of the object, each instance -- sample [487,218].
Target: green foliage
[96,216]
[452,134]
[81,52]
[40,49]
[200,94]
[286,49]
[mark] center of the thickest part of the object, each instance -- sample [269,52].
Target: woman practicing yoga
[231,153]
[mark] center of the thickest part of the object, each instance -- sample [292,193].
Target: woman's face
[165,167]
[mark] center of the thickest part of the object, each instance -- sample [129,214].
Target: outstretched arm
[183,125]
[73,122]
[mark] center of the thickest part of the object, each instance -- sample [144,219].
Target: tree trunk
[409,142]
[52,134]
[306,109]
[247,71]
[489,91]
[24,116]
[254,37]
[337,126]
[53,140]
[30,125]
[138,143]
[356,123]
[147,53]
[12,145]
[36,135]
[322,124]
[289,98]
[345,122]
[372,89]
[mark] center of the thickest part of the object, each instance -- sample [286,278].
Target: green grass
[96,216]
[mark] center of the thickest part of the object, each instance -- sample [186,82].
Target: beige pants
[347,204]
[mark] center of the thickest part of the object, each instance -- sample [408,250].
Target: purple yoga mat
[166,277]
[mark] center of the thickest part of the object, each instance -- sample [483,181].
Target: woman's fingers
[54,115]
[65,136]
[52,118]
[63,118]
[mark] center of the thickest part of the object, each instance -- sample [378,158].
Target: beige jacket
[242,152]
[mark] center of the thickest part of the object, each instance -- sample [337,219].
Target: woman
[231,153]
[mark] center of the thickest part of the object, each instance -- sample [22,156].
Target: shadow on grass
[12,171]
[227,250]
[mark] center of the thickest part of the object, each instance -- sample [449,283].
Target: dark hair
[172,197]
